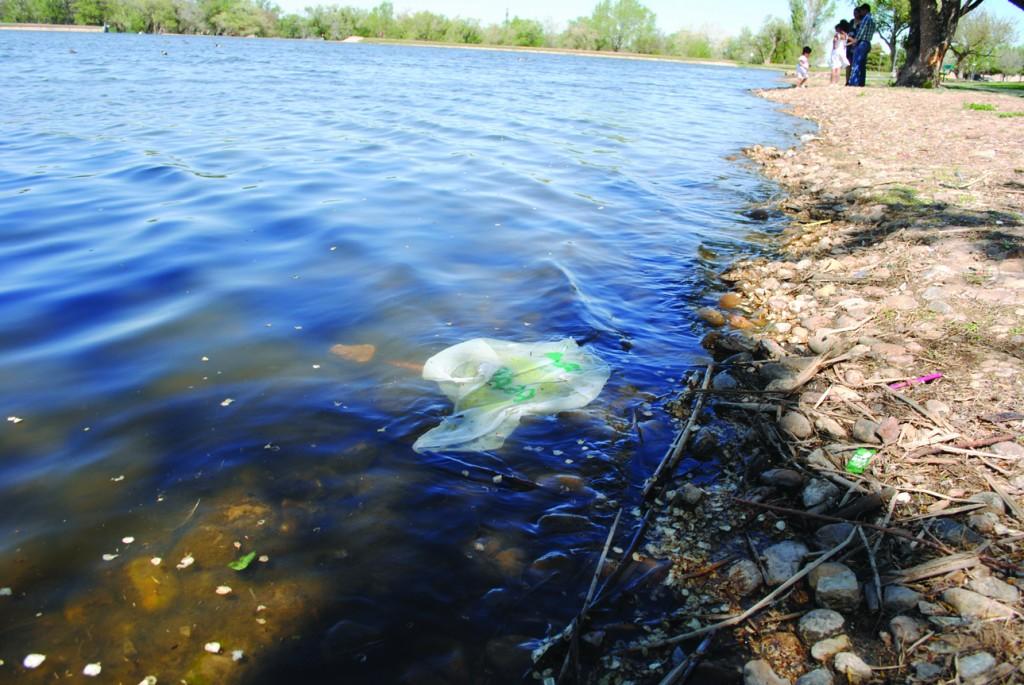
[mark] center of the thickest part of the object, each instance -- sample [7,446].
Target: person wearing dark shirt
[862,46]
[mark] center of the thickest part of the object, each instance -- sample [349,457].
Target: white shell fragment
[92,670]
[227,402]
[6,592]
[110,557]
[33,660]
[223,590]
[186,561]
[155,561]
[148,680]
[237,655]
[15,419]
[128,539]
[212,647]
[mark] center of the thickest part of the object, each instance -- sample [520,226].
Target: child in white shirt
[803,68]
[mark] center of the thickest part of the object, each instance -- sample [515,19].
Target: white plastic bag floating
[494,383]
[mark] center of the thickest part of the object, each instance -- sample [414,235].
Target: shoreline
[887,318]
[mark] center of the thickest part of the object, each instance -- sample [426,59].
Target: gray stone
[992,501]
[818,624]
[783,478]
[796,424]
[822,340]
[976,665]
[839,591]
[955,533]
[853,667]
[906,630]
[1008,449]
[744,577]
[829,568]
[760,673]
[819,676]
[937,407]
[996,589]
[771,349]
[830,535]
[689,495]
[926,671]
[974,606]
[724,381]
[826,649]
[820,491]
[897,598]
[864,431]
[709,439]
[831,427]
[782,561]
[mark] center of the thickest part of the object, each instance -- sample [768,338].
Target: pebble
[853,667]
[937,407]
[992,501]
[724,381]
[688,495]
[906,630]
[92,670]
[33,660]
[783,560]
[820,492]
[985,522]
[821,341]
[926,671]
[744,577]
[185,562]
[712,317]
[955,533]
[975,606]
[897,598]
[1008,449]
[900,302]
[729,300]
[831,427]
[864,431]
[760,673]
[797,425]
[996,589]
[975,665]
[819,676]
[839,589]
[212,647]
[819,624]
[223,590]
[830,535]
[826,649]
[783,478]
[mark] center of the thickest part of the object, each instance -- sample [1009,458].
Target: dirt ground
[889,319]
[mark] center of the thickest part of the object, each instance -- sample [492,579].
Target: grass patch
[902,196]
[979,106]
[1010,115]
[1010,88]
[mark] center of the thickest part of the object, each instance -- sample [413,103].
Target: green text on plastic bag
[494,383]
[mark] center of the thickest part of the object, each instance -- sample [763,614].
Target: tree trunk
[932,26]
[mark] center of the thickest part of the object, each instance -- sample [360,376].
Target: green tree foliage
[892,17]
[1010,61]
[775,43]
[694,44]
[979,38]
[807,18]
[623,25]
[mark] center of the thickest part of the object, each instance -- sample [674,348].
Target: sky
[721,17]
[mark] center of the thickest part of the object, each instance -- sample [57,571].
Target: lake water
[188,224]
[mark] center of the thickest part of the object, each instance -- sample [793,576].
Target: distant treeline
[982,43]
[614,25]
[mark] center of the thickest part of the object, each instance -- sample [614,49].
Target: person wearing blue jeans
[862,46]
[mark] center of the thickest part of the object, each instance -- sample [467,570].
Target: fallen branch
[964,445]
[675,450]
[1010,502]
[766,601]
[682,672]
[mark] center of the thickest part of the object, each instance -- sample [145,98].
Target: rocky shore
[866,411]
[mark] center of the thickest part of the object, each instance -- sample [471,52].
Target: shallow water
[179,230]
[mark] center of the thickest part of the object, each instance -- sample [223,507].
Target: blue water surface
[189,224]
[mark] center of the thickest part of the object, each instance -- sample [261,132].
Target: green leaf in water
[242,562]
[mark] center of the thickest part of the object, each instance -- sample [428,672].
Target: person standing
[862,46]
[803,68]
[837,60]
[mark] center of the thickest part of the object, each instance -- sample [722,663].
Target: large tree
[622,24]
[932,27]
